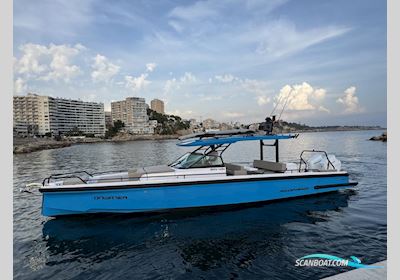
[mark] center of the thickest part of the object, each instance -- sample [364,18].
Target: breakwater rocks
[28,145]
[382,137]
[38,146]
[128,137]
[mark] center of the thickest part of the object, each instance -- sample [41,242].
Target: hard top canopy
[218,133]
[228,137]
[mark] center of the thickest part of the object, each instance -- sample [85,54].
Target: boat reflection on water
[199,239]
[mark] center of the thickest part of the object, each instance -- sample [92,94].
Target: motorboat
[200,178]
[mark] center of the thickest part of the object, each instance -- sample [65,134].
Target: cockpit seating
[270,165]
[235,169]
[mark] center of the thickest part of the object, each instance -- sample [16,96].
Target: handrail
[154,175]
[66,175]
[74,175]
[314,151]
[62,177]
[73,172]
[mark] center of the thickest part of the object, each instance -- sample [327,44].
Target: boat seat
[270,165]
[235,169]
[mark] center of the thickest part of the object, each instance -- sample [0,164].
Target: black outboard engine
[268,125]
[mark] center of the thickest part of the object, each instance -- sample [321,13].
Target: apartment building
[157,105]
[108,119]
[39,115]
[133,113]
[31,115]
[210,124]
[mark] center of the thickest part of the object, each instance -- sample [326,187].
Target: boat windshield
[195,160]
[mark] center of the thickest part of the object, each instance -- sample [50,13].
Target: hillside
[284,127]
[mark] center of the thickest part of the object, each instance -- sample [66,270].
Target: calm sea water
[260,242]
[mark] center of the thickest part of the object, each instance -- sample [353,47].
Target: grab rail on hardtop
[314,151]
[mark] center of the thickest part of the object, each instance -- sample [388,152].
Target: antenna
[276,105]
[284,105]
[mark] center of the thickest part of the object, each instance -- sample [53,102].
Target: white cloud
[323,109]
[176,25]
[281,37]
[151,66]
[103,69]
[259,88]
[140,82]
[319,94]
[300,97]
[211,98]
[60,66]
[50,63]
[92,97]
[350,101]
[197,11]
[186,114]
[175,85]
[210,9]
[171,85]
[136,83]
[188,78]
[20,86]
[29,63]
[233,114]
[226,78]
[262,100]
[269,39]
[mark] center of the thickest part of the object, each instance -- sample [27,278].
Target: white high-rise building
[133,113]
[40,115]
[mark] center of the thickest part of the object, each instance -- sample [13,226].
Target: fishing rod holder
[268,125]
[276,145]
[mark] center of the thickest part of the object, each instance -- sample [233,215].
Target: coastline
[28,145]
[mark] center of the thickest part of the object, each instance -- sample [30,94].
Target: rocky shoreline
[382,137]
[33,147]
[28,145]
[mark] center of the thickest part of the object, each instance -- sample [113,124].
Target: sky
[319,62]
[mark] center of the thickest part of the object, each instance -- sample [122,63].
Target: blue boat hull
[162,197]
